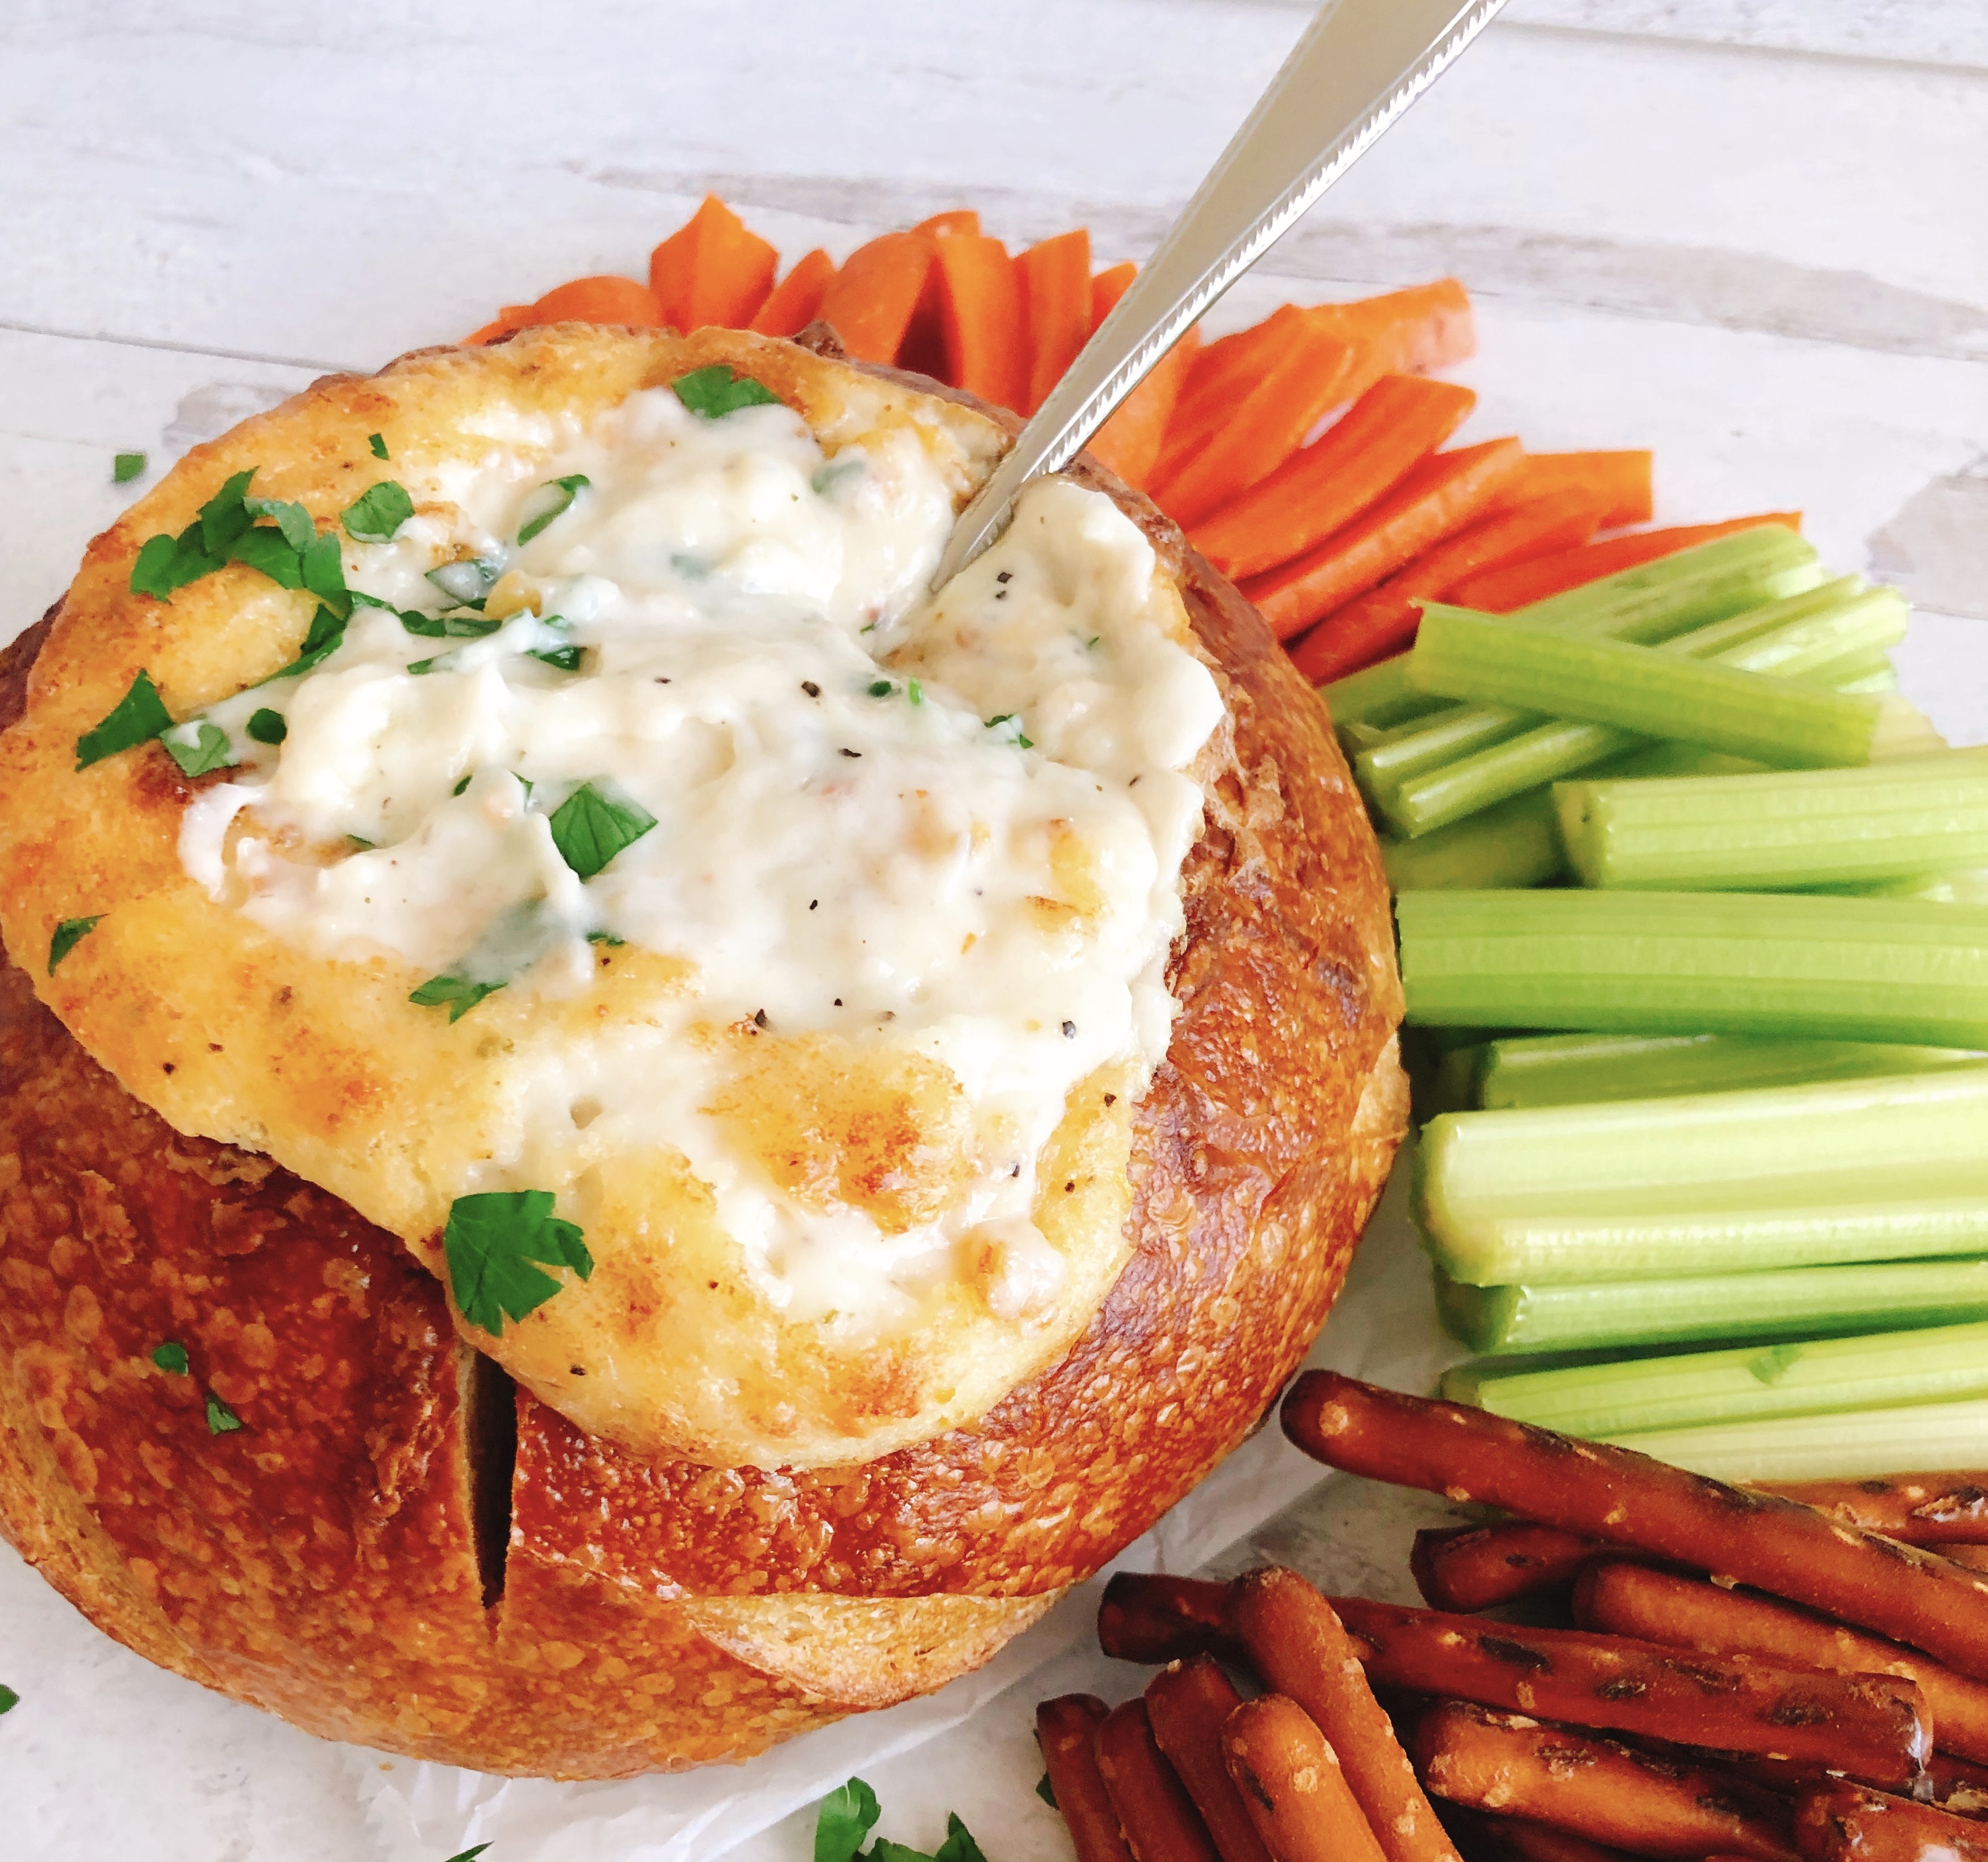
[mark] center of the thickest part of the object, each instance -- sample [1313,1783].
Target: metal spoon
[1359,65]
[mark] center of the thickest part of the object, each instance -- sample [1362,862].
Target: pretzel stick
[1147,1617]
[1293,1786]
[1932,1509]
[1300,1649]
[1593,1788]
[1842,1822]
[1523,1841]
[1474,1567]
[1189,1703]
[1632,1600]
[1773,1544]
[1155,1811]
[1959,1786]
[1066,1730]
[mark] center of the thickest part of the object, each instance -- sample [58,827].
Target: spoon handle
[1360,64]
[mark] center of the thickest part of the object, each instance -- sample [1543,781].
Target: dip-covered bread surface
[896,1079]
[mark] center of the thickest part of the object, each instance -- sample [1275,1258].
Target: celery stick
[1793,964]
[1429,742]
[1752,1382]
[1827,1448]
[1758,833]
[1381,695]
[1686,590]
[1586,1069]
[1794,1302]
[1816,634]
[1464,655]
[1514,844]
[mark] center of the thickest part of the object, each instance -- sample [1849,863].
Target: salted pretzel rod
[1066,1730]
[1155,1811]
[1958,1785]
[1930,1509]
[1520,1840]
[1146,1616]
[1774,1544]
[1843,1822]
[1476,1567]
[1595,1788]
[1625,1599]
[1188,1702]
[1300,1648]
[1872,1727]
[1293,1786]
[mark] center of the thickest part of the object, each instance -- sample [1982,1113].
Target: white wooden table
[1751,233]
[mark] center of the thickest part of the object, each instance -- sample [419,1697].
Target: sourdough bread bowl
[678,1490]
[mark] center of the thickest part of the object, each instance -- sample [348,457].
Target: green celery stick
[1381,695]
[1514,844]
[1631,688]
[1828,1446]
[1745,1383]
[1793,1302]
[1897,820]
[1793,964]
[1586,1069]
[1691,586]
[1820,632]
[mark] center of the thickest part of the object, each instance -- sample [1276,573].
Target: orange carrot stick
[955,220]
[608,299]
[1189,1704]
[1383,619]
[1293,1788]
[1501,591]
[795,301]
[1129,442]
[1445,493]
[1108,286]
[712,270]
[1264,429]
[1619,481]
[981,327]
[870,301]
[1361,457]
[508,322]
[1056,299]
[1426,327]
[1066,1730]
[1226,371]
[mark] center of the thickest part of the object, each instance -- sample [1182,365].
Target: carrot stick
[1223,373]
[1129,442]
[712,270]
[1930,1509]
[508,322]
[795,301]
[607,299]
[1107,287]
[1188,1704]
[1837,1823]
[1872,1727]
[955,220]
[1631,1599]
[1146,1616]
[1775,1544]
[1066,1730]
[870,301]
[1300,1647]
[1619,480]
[981,319]
[1440,497]
[1426,327]
[1264,428]
[1595,1788]
[1367,452]
[1056,299]
[1384,619]
[1158,1816]
[1501,591]
[1473,1567]
[1292,1785]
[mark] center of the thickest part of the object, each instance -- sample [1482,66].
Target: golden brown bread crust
[322,1562]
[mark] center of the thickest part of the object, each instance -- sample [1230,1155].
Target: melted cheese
[950,829]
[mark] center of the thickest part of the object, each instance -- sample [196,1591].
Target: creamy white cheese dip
[953,827]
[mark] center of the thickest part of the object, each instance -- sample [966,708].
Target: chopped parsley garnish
[606,937]
[467,581]
[716,391]
[566,658]
[199,747]
[167,563]
[469,1855]
[140,715]
[293,522]
[1047,1792]
[224,517]
[492,1239]
[323,568]
[448,626]
[590,828]
[268,727]
[915,691]
[220,1420]
[68,935]
[361,843]
[170,1357]
[321,641]
[844,1817]
[377,442]
[376,514]
[269,551]
[881,688]
[126,467]
[1015,736]
[456,993]
[9,1700]
[459,787]
[563,491]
